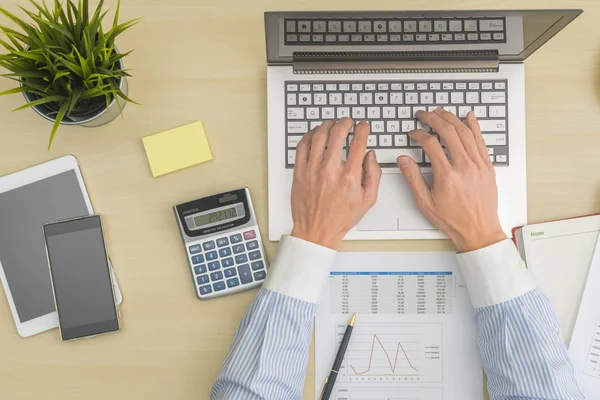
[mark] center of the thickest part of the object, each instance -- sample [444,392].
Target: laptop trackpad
[395,209]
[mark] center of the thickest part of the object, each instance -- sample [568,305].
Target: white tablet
[48,192]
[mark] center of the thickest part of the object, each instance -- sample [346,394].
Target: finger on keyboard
[432,147]
[299,157]
[356,154]
[446,132]
[337,140]
[465,134]
[319,141]
[473,124]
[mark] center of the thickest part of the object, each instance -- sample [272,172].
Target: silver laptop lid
[408,41]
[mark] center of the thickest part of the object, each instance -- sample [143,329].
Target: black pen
[330,381]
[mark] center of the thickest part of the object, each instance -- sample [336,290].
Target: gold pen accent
[351,323]
[324,386]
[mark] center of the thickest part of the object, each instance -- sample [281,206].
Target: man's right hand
[463,201]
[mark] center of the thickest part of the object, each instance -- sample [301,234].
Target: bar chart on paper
[392,352]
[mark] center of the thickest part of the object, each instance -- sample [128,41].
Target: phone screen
[81,278]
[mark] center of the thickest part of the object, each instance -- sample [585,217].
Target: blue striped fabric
[270,350]
[523,354]
[522,351]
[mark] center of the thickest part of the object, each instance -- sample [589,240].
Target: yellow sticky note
[177,149]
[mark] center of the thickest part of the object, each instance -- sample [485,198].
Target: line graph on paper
[392,352]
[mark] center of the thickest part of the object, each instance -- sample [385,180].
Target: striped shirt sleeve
[518,333]
[269,354]
[270,350]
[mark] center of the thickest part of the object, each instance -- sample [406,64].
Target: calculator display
[217,216]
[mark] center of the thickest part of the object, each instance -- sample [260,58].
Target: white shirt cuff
[299,269]
[495,274]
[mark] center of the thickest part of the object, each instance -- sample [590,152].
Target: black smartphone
[81,278]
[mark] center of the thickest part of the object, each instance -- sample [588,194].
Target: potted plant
[67,67]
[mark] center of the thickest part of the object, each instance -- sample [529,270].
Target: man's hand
[463,201]
[329,195]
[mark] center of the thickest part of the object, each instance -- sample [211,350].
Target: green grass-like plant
[65,59]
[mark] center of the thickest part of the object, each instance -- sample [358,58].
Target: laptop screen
[511,35]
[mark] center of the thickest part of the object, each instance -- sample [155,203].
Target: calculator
[222,243]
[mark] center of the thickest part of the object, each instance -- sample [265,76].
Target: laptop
[384,66]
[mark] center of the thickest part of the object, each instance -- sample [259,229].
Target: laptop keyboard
[360,31]
[390,108]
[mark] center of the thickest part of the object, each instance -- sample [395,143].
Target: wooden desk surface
[205,60]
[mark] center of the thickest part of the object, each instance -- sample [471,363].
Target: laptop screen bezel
[273,25]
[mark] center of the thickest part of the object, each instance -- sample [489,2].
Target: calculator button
[242,258]
[255,255]
[195,249]
[225,252]
[216,276]
[208,245]
[238,248]
[205,289]
[197,259]
[230,272]
[245,274]
[249,235]
[213,266]
[252,245]
[200,269]
[219,286]
[233,282]
[257,265]
[235,238]
[259,276]
[222,242]
[227,262]
[212,255]
[202,279]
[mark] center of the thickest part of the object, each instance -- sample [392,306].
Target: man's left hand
[330,195]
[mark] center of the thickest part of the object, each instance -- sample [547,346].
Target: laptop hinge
[395,62]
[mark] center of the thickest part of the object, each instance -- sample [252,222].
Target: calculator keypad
[245,274]
[227,262]
[195,249]
[242,258]
[200,269]
[209,245]
[235,238]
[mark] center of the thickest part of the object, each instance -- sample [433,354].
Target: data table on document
[391,292]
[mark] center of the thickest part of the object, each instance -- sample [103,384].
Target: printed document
[414,335]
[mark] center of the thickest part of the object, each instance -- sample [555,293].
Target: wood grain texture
[205,60]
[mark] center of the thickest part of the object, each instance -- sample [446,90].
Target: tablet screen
[23,211]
